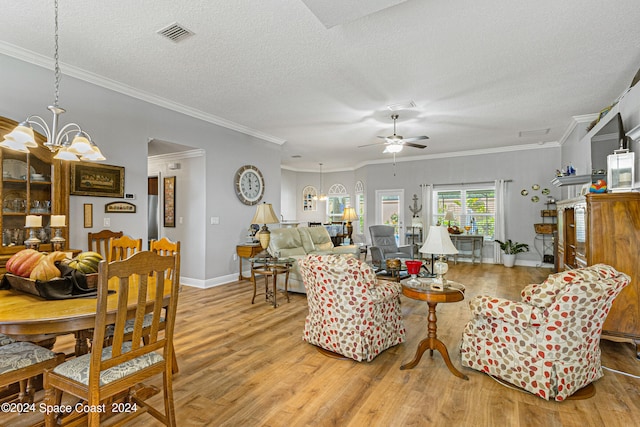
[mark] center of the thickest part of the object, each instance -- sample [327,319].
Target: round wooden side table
[453,293]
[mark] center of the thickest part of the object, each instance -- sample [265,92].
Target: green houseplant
[511,249]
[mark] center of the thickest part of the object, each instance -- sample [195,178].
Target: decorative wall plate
[524,192]
[535,187]
[535,199]
[546,191]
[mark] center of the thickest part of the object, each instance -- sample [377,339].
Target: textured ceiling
[479,73]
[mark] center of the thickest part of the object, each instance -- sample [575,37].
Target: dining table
[23,314]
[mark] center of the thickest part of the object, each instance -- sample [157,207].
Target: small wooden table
[270,267]
[476,241]
[454,293]
[248,250]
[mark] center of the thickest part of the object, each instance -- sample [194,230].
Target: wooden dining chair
[119,368]
[165,247]
[121,248]
[99,242]
[20,362]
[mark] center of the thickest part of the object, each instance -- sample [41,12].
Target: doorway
[153,202]
[389,211]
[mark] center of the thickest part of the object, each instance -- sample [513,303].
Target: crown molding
[78,73]
[479,152]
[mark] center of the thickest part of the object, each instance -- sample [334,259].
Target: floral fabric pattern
[549,343]
[5,339]
[351,312]
[18,355]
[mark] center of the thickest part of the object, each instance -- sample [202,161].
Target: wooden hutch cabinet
[32,184]
[605,228]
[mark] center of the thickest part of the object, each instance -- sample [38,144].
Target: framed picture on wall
[88,215]
[90,179]
[169,201]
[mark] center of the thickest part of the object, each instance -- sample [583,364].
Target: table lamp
[449,217]
[32,222]
[439,243]
[349,215]
[265,215]
[58,222]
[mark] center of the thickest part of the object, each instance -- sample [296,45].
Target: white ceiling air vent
[175,32]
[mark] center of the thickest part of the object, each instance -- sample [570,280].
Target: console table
[476,241]
[246,251]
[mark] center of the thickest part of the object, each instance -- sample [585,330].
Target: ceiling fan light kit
[395,143]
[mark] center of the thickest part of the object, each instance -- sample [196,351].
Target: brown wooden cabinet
[32,184]
[605,228]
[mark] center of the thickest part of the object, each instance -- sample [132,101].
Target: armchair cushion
[548,343]
[350,311]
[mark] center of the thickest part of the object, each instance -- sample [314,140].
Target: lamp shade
[349,214]
[265,215]
[449,216]
[438,242]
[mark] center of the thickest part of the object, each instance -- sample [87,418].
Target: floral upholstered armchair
[351,312]
[549,343]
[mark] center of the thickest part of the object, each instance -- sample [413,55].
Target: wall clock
[249,185]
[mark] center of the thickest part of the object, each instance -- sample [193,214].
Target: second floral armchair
[351,312]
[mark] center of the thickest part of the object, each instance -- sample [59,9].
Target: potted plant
[511,249]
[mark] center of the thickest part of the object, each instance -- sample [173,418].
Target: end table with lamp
[454,292]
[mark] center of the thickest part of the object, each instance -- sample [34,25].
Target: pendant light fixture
[321,196]
[69,142]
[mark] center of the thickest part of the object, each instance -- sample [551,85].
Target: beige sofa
[297,243]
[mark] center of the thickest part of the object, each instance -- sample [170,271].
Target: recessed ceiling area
[317,78]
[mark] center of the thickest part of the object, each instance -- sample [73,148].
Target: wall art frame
[91,179]
[88,215]
[120,207]
[169,189]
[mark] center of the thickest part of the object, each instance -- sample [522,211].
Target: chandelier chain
[56,66]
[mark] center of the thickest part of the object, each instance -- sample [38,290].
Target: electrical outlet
[215,220]
[107,222]
[235,257]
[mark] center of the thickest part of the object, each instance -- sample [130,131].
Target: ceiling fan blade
[369,145]
[415,138]
[411,144]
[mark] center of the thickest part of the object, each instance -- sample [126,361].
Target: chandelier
[321,196]
[69,142]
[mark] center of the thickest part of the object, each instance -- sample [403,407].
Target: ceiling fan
[395,143]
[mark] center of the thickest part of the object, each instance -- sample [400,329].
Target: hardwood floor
[246,365]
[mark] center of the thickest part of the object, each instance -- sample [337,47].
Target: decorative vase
[508,260]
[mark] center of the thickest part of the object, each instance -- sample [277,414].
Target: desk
[25,314]
[248,250]
[454,293]
[476,241]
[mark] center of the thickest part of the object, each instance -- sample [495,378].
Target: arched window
[309,202]
[337,200]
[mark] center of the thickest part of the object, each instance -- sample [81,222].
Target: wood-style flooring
[246,365]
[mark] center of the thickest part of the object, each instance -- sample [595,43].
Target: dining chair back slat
[123,247]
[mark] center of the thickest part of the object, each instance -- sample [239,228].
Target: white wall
[189,203]
[121,126]
[577,147]
[524,168]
